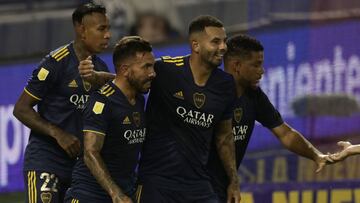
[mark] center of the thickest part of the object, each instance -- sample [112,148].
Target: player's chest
[127,128]
[195,104]
[243,120]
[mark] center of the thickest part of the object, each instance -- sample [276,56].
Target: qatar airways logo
[195,117]
[240,132]
[79,100]
[135,136]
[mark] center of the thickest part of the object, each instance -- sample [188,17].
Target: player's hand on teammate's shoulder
[70,143]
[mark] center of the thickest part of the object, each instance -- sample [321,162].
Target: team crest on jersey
[199,99]
[87,85]
[238,114]
[46,197]
[42,75]
[137,118]
[98,107]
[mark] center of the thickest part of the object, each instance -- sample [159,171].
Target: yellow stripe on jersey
[74,201]
[63,56]
[93,131]
[32,187]
[138,194]
[179,64]
[35,97]
[110,93]
[61,50]
[173,60]
[107,90]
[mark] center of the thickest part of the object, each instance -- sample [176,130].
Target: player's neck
[80,50]
[201,71]
[126,89]
[239,90]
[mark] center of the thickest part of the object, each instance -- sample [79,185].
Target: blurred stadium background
[312,63]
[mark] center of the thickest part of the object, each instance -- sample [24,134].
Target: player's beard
[139,85]
[211,59]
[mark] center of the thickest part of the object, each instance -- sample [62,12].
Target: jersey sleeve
[95,115]
[266,113]
[43,78]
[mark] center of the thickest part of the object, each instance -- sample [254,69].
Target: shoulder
[55,58]
[168,63]
[223,80]
[60,54]
[100,64]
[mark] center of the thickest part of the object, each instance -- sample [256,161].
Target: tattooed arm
[93,143]
[226,150]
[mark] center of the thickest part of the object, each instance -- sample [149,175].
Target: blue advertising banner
[298,60]
[278,176]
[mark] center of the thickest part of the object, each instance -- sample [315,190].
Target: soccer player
[114,129]
[348,149]
[244,60]
[190,103]
[60,94]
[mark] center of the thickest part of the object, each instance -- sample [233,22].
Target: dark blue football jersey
[253,105]
[110,114]
[181,121]
[62,94]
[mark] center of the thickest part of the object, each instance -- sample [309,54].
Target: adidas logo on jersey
[179,95]
[126,121]
[72,84]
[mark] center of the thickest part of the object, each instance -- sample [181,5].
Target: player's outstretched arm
[88,73]
[226,150]
[347,150]
[296,143]
[93,143]
[25,112]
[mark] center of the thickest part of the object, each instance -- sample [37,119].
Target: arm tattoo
[226,149]
[92,146]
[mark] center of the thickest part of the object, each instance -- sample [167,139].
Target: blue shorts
[150,192]
[42,186]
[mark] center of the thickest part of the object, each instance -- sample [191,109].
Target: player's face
[96,32]
[251,70]
[212,45]
[141,72]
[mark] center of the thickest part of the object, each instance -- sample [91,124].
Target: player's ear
[237,65]
[80,29]
[195,46]
[124,69]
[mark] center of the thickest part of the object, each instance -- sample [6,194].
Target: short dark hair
[86,9]
[199,23]
[128,46]
[242,45]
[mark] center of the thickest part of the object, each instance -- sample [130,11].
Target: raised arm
[296,143]
[93,143]
[25,113]
[226,150]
